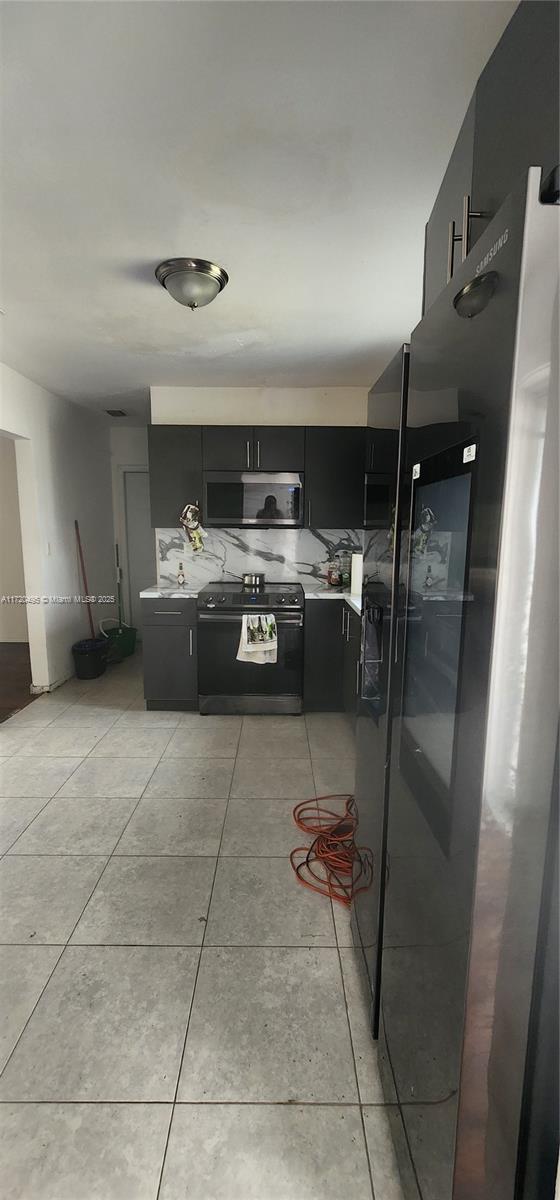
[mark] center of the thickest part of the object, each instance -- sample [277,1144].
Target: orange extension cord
[332,865]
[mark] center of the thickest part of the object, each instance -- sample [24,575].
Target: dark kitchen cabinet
[382,447]
[279,447]
[457,183]
[170,655]
[334,477]
[511,124]
[253,448]
[351,661]
[323,655]
[175,464]
[228,448]
[517,108]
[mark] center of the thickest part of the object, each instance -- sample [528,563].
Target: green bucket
[121,639]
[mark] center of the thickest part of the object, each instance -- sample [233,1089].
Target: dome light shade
[191,281]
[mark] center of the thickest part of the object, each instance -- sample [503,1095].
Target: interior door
[140,543]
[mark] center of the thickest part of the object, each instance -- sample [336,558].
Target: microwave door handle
[248,452]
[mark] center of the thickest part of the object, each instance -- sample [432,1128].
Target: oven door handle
[236,618]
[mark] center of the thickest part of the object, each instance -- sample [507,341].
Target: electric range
[227,685]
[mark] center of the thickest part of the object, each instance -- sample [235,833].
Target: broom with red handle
[84,576]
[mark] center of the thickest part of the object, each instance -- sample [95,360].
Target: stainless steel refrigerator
[462,915]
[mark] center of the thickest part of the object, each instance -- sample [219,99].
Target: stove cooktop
[234,595]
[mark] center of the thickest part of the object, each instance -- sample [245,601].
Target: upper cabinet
[175,462]
[334,477]
[444,228]
[517,110]
[253,448]
[279,448]
[227,448]
[333,460]
[382,447]
[511,124]
[382,452]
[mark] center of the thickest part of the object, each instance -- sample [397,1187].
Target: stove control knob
[222,599]
[210,602]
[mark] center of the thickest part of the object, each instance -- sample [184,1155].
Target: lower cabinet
[332,657]
[351,666]
[323,655]
[170,664]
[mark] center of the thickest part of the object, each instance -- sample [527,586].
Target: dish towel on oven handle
[259,639]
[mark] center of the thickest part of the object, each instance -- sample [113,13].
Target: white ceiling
[300,145]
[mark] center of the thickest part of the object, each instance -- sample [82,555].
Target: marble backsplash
[285,555]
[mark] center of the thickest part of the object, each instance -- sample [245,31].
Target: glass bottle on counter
[333,572]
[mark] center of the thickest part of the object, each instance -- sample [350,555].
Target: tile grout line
[72,931]
[358,1091]
[359,1094]
[195,982]
[95,853]
[206,1104]
[220,1103]
[22,831]
[164,728]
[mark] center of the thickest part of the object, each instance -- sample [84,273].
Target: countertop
[168,593]
[176,593]
[354,602]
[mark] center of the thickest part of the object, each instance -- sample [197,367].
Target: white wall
[13,618]
[64,472]
[258,406]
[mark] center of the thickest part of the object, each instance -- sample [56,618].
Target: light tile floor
[180,1019]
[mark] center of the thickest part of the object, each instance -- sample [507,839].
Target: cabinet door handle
[468,216]
[357,677]
[309,513]
[191,643]
[167,612]
[258,454]
[248,450]
[343,617]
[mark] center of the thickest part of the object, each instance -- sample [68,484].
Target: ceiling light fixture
[191,281]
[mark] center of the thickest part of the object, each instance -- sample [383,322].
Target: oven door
[226,685]
[234,498]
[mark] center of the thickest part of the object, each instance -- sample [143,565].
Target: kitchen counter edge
[176,593]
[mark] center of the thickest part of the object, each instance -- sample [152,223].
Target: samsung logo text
[501,241]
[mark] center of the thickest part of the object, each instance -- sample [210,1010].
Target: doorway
[15,665]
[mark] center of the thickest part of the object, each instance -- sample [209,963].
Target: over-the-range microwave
[253,498]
